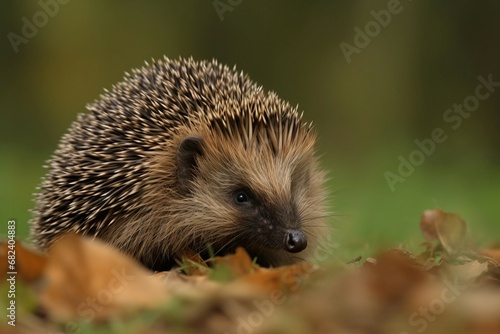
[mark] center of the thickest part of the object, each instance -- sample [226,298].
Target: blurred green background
[369,111]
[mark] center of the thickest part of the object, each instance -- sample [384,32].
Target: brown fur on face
[283,178]
[160,165]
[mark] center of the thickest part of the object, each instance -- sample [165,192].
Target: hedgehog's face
[268,201]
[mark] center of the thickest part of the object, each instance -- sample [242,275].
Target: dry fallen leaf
[245,272]
[287,278]
[449,228]
[468,272]
[240,262]
[393,273]
[88,279]
[29,263]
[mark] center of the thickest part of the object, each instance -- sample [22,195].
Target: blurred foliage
[367,112]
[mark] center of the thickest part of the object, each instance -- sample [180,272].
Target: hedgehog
[186,155]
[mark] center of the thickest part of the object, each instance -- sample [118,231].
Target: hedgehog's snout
[296,241]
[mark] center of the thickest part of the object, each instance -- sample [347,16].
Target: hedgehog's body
[180,155]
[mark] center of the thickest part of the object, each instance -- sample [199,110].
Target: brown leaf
[449,228]
[287,278]
[469,271]
[29,263]
[89,279]
[393,274]
[240,262]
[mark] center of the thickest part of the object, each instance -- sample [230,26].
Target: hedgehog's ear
[189,148]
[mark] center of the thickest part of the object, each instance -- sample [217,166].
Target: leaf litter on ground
[83,285]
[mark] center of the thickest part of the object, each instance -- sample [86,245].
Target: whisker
[318,217]
[230,243]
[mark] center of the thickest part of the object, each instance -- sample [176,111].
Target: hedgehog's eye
[241,197]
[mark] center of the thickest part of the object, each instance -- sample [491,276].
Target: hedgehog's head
[252,180]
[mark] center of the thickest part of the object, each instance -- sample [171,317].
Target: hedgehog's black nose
[296,241]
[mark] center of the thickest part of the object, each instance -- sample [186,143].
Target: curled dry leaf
[247,273]
[468,272]
[449,228]
[240,262]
